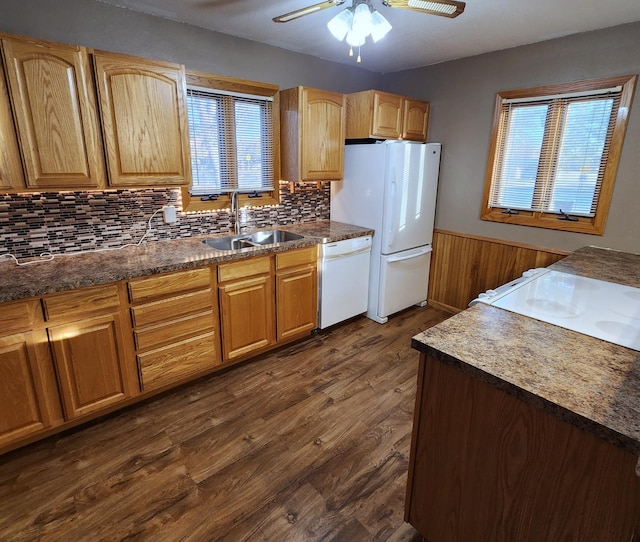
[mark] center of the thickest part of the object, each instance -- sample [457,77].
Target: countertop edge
[70,272]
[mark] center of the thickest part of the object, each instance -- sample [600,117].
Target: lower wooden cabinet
[68,357]
[267,300]
[29,399]
[91,364]
[90,349]
[247,306]
[25,392]
[175,326]
[296,292]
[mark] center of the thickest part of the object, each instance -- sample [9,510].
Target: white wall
[462,95]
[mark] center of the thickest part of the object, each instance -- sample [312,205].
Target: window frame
[241,86]
[591,225]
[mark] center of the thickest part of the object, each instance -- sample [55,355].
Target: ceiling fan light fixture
[380,26]
[341,24]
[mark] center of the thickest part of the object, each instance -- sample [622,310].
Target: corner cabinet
[54,107]
[144,120]
[381,115]
[312,125]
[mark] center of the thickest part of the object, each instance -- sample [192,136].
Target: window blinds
[231,139]
[552,151]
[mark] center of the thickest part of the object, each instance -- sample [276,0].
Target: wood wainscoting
[464,265]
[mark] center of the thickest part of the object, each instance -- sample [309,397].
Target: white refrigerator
[390,187]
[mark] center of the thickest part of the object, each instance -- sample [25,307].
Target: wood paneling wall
[464,265]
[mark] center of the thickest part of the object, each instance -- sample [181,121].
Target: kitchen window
[554,154]
[232,124]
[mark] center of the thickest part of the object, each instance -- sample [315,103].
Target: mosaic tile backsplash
[58,222]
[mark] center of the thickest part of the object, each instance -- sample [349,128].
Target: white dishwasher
[344,280]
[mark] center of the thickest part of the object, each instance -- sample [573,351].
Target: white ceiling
[416,39]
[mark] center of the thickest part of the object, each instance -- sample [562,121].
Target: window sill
[544,220]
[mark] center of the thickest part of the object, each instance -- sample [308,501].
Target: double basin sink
[255,239]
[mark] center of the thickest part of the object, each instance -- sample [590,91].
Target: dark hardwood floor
[308,443]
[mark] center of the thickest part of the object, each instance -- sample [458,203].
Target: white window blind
[231,138]
[552,151]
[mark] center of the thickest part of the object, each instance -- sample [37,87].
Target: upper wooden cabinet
[144,120]
[11,176]
[54,108]
[415,119]
[375,114]
[312,126]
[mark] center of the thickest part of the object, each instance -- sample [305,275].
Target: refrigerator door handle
[424,251]
[391,224]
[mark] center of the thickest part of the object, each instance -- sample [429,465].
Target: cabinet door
[11,176]
[24,407]
[247,315]
[387,115]
[415,120]
[323,135]
[297,302]
[144,120]
[54,105]
[90,360]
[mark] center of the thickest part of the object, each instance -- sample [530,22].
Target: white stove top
[600,309]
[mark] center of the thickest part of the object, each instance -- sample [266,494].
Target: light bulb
[355,39]
[380,26]
[362,20]
[340,24]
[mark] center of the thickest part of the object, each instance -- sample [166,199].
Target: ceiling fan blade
[444,8]
[306,11]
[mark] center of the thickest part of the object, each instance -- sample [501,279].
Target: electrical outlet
[169,214]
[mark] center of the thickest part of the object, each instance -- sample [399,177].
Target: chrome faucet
[235,212]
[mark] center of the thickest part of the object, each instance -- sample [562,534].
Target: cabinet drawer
[19,316]
[173,330]
[81,302]
[169,283]
[293,258]
[171,308]
[164,365]
[244,268]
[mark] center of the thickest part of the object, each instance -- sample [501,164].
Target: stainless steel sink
[256,239]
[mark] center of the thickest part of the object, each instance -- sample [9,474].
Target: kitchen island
[524,430]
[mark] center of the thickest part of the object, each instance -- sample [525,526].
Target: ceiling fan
[444,8]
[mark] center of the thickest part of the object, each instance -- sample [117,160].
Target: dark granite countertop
[592,384]
[100,267]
